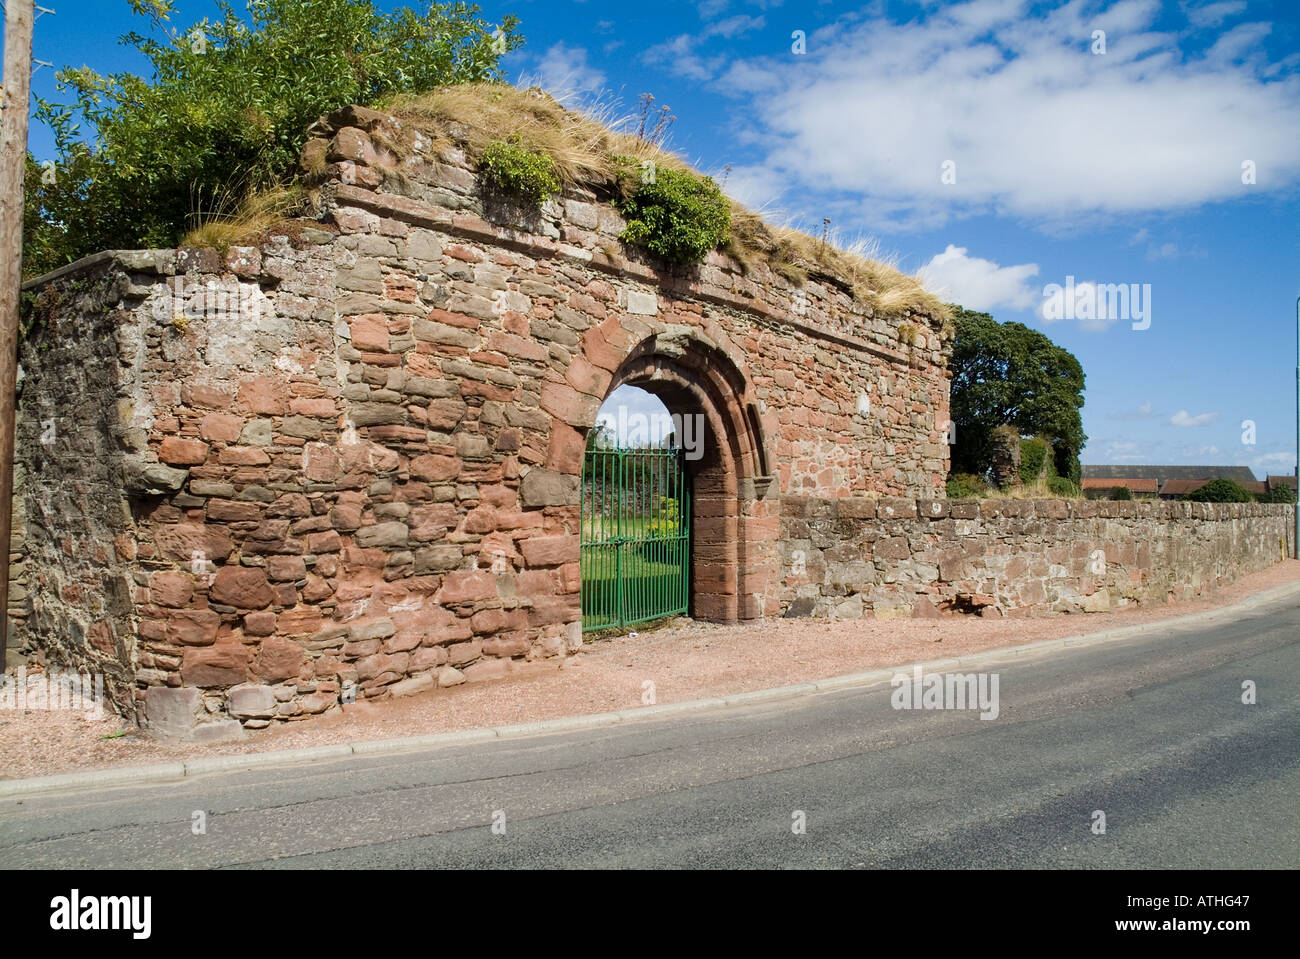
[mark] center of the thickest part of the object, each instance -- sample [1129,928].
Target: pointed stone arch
[733,529]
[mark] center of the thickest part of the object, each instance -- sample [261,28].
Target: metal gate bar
[635,536]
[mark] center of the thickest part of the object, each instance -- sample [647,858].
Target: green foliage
[1033,454]
[1222,491]
[966,486]
[678,216]
[1121,493]
[667,520]
[1282,494]
[1064,486]
[227,109]
[600,437]
[509,166]
[1008,373]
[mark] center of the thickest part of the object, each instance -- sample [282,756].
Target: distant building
[1099,488]
[1169,482]
[1274,481]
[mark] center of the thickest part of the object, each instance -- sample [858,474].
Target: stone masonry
[852,557]
[347,461]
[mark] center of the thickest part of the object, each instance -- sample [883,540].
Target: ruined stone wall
[854,557]
[347,461]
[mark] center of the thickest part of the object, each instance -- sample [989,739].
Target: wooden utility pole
[19,18]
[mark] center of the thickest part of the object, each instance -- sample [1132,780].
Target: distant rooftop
[1133,483]
[1162,474]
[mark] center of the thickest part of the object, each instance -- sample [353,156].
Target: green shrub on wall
[677,216]
[1064,486]
[966,486]
[510,166]
[1121,493]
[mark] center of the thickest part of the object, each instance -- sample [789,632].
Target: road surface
[1150,731]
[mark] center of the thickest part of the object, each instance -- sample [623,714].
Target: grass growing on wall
[588,152]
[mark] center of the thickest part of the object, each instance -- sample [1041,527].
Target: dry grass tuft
[1035,490]
[251,221]
[585,148]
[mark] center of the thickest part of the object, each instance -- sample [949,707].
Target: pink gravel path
[685,660]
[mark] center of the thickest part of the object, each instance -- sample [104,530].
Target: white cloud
[979,284]
[1183,418]
[1127,451]
[564,70]
[753,186]
[1037,126]
[1213,14]
[1266,462]
[681,56]
[1145,411]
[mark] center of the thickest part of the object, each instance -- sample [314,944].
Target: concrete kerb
[171,772]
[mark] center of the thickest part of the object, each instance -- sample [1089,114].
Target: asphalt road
[1150,731]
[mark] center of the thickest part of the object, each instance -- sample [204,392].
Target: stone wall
[853,557]
[348,459]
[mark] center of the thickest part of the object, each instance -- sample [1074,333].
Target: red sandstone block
[177,451]
[464,253]
[206,397]
[538,582]
[549,550]
[263,394]
[192,627]
[327,542]
[488,621]
[435,469]
[286,568]
[221,427]
[586,378]
[550,610]
[231,511]
[244,456]
[453,319]
[481,520]
[506,646]
[517,346]
[222,664]
[369,333]
[280,659]
[183,540]
[243,587]
[467,586]
[321,408]
[259,624]
[565,403]
[171,588]
[566,449]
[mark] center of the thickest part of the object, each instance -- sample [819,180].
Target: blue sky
[1115,167]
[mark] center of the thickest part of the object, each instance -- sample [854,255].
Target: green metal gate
[636,514]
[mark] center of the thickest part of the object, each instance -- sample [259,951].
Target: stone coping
[886,508]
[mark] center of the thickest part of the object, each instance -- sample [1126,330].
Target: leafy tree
[1222,491]
[227,108]
[1008,373]
[1282,494]
[1121,493]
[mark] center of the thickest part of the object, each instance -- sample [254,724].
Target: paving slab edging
[179,771]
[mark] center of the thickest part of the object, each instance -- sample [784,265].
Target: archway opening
[716,433]
[635,515]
